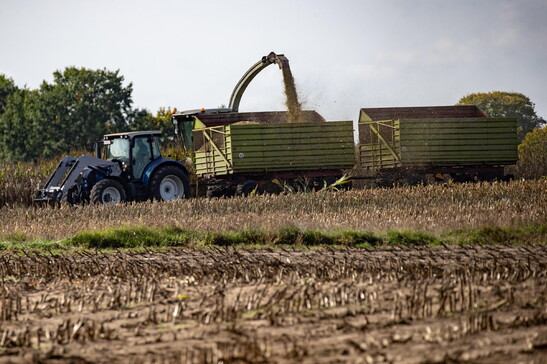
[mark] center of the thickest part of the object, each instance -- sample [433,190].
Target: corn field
[404,305]
[19,181]
[431,208]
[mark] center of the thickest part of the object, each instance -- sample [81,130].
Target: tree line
[80,105]
[70,113]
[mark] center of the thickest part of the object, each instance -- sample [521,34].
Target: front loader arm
[66,175]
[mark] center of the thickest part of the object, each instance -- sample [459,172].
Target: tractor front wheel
[169,183]
[108,192]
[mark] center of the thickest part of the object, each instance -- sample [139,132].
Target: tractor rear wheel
[108,192]
[169,183]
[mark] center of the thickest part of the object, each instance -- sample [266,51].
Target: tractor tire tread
[99,187]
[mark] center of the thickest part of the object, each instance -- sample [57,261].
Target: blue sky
[344,55]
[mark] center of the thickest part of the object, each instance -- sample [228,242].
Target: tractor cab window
[156,148]
[118,149]
[142,155]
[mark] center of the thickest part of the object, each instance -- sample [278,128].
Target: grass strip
[145,237]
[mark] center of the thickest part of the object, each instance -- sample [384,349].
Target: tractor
[126,167]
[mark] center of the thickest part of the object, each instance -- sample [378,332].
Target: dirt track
[427,305]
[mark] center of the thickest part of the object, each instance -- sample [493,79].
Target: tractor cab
[133,151]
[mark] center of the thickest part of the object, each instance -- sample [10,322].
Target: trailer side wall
[462,141]
[256,148]
[438,142]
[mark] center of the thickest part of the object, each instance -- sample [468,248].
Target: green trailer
[247,156]
[459,141]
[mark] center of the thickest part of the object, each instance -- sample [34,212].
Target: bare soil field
[452,304]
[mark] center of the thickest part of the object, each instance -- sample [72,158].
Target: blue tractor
[126,167]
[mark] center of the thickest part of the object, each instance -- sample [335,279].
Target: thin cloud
[371,72]
[446,50]
[399,56]
[505,38]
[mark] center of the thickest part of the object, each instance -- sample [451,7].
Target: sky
[344,54]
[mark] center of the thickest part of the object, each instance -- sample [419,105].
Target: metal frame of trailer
[236,154]
[456,140]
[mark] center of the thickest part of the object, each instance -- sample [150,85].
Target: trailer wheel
[272,188]
[215,191]
[413,179]
[246,188]
[108,192]
[169,183]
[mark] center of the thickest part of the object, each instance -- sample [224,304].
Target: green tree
[69,113]
[20,138]
[7,87]
[163,119]
[507,104]
[532,155]
[81,105]
[141,119]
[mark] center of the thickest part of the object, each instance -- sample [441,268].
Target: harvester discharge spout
[271,58]
[278,59]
